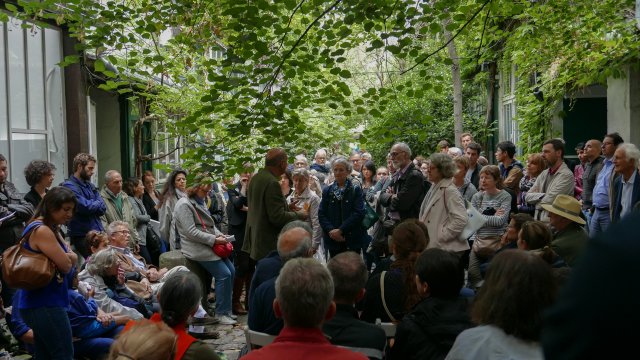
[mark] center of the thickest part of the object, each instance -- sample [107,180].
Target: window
[508,122]
[164,146]
[31,99]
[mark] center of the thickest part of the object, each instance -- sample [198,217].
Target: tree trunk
[457,87]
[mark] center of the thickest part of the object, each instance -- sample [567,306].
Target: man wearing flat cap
[569,238]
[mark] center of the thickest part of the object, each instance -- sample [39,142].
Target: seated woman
[179,299]
[494,204]
[89,321]
[509,239]
[99,273]
[430,329]
[145,341]
[391,294]
[524,287]
[536,237]
[198,234]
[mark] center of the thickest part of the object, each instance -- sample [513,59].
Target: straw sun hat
[567,207]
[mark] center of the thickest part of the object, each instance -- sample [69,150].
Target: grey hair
[101,261]
[300,172]
[301,157]
[444,164]
[304,245]
[455,151]
[349,275]
[109,175]
[113,227]
[631,152]
[319,151]
[404,147]
[341,160]
[304,290]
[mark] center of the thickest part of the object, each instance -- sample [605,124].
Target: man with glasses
[134,266]
[356,161]
[601,217]
[404,195]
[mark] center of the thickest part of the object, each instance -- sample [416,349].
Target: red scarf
[184,339]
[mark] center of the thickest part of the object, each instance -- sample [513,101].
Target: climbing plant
[303,74]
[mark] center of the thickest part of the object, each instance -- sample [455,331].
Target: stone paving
[231,338]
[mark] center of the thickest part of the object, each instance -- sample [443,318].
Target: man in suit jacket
[626,188]
[268,210]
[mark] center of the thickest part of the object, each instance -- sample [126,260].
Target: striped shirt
[495,225]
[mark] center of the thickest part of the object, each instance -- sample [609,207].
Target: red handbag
[223,250]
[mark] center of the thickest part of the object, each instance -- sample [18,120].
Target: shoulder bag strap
[384,302]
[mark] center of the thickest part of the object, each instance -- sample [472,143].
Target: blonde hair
[145,340]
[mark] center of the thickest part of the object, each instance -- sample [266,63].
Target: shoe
[238,309]
[207,320]
[233,316]
[205,335]
[226,320]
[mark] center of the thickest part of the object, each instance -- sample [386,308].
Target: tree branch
[286,56]
[450,40]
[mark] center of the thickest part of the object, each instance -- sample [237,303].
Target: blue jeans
[223,272]
[599,222]
[51,331]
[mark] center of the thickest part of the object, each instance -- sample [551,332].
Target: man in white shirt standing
[626,189]
[601,217]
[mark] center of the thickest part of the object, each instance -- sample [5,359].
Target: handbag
[26,269]
[370,216]
[223,250]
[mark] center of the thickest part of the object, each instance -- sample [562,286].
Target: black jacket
[430,329]
[236,201]
[409,190]
[12,202]
[475,176]
[345,329]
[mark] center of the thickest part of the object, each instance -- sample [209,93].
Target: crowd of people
[320,251]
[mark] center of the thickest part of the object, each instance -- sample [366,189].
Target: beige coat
[444,214]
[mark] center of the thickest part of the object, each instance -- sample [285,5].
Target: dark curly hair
[36,170]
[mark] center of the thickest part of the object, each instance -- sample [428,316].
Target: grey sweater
[196,229]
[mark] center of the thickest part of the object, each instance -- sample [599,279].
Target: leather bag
[26,269]
[223,250]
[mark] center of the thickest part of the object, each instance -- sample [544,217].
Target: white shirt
[627,195]
[489,342]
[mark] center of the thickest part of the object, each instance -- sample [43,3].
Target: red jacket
[184,339]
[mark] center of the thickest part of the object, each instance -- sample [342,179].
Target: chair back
[257,339]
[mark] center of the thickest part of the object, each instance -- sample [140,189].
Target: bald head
[294,242]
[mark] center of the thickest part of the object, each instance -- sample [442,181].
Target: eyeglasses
[126,232]
[381,174]
[396,153]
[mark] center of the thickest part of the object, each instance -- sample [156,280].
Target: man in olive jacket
[268,211]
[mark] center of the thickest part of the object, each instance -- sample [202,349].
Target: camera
[489,211]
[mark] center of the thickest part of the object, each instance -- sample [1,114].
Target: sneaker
[207,320]
[205,335]
[226,320]
[234,317]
